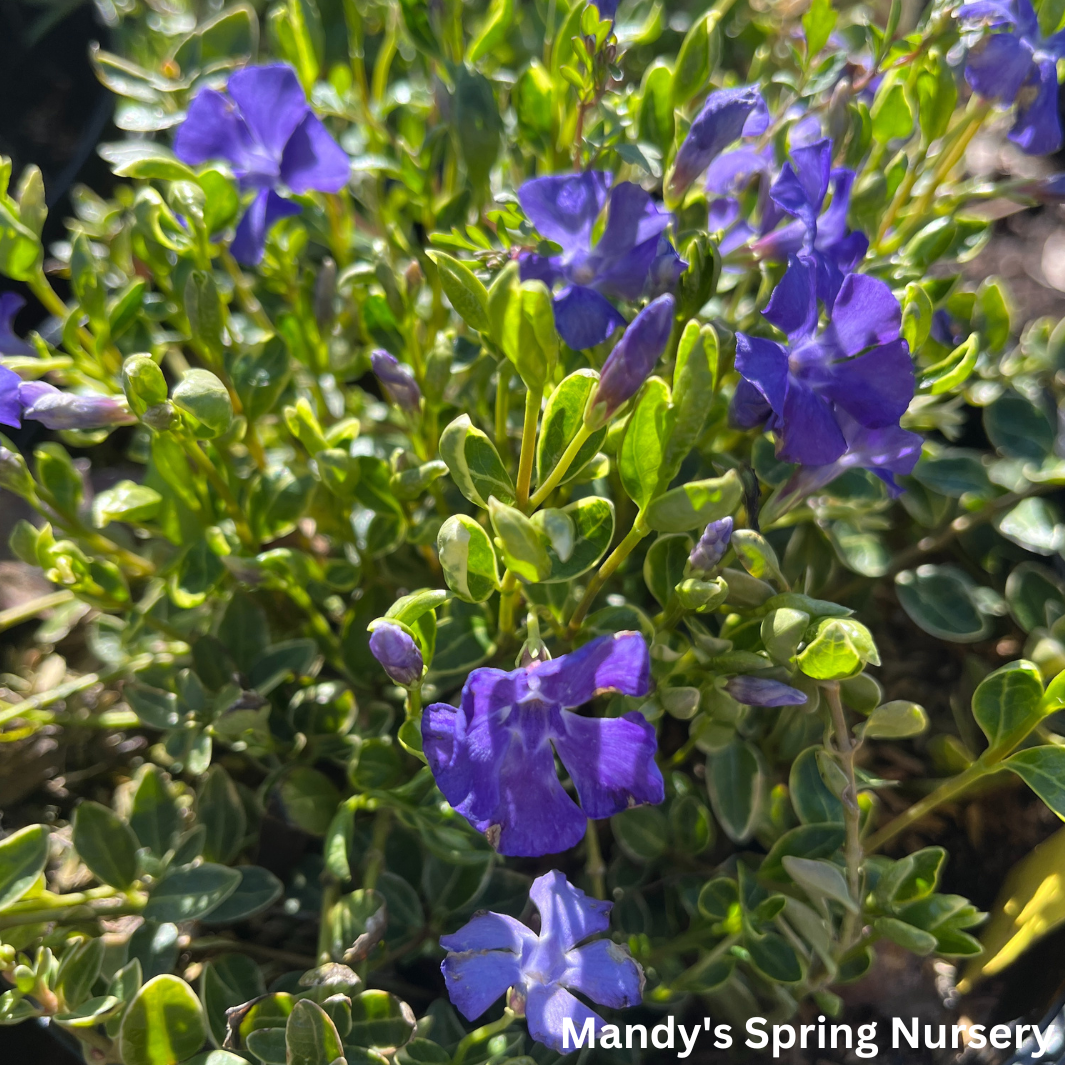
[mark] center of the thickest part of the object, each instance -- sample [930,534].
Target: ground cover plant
[481,442]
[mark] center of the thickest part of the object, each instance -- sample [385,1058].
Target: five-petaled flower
[631,259]
[857,364]
[492,756]
[267,131]
[1016,64]
[495,953]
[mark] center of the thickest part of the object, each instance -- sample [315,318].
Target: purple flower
[633,358]
[55,409]
[492,757]
[11,344]
[627,261]
[397,380]
[800,191]
[266,129]
[727,115]
[397,652]
[858,364]
[10,404]
[712,545]
[761,691]
[494,953]
[607,8]
[1016,64]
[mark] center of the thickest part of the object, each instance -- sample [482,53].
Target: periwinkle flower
[494,954]
[627,261]
[492,756]
[726,115]
[822,233]
[397,380]
[10,404]
[763,691]
[1017,64]
[858,364]
[397,652]
[56,409]
[633,358]
[11,344]
[267,131]
[712,545]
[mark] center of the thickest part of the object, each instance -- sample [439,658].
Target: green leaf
[693,395]
[106,844]
[529,339]
[663,565]
[474,463]
[228,980]
[477,124]
[467,558]
[1034,524]
[20,249]
[522,544]
[655,120]
[774,957]
[642,833]
[896,720]
[163,1025]
[644,444]
[562,417]
[201,394]
[820,880]
[1007,704]
[735,782]
[311,1037]
[589,523]
[125,501]
[23,856]
[806,841]
[156,708]
[937,94]
[813,800]
[145,160]
[78,971]
[357,923]
[695,504]
[261,379]
[1018,428]
[257,889]
[840,648]
[190,892]
[818,24]
[493,30]
[89,1014]
[154,815]
[310,799]
[379,1021]
[1035,596]
[756,555]
[220,810]
[464,290]
[905,935]
[892,111]
[533,97]
[244,631]
[695,60]
[1043,770]
[941,601]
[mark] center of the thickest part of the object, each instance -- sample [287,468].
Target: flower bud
[632,360]
[69,410]
[397,381]
[761,691]
[712,545]
[701,596]
[726,115]
[14,473]
[143,382]
[397,652]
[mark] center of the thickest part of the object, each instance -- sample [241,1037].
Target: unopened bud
[711,548]
[56,409]
[763,691]
[701,596]
[397,380]
[397,652]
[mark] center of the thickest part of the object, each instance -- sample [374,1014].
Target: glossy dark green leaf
[806,841]
[663,566]
[163,1025]
[814,802]
[1006,704]
[642,833]
[1035,596]
[379,1021]
[227,980]
[311,1037]
[106,844]
[191,892]
[309,798]
[774,957]
[735,782]
[563,415]
[257,889]
[1043,770]
[940,600]
[1018,428]
[23,856]
[578,535]
[221,812]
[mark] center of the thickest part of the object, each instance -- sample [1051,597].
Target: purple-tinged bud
[712,545]
[761,691]
[397,380]
[56,409]
[397,652]
[727,115]
[666,268]
[632,360]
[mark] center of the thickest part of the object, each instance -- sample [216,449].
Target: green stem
[619,554]
[330,897]
[533,399]
[482,1034]
[594,866]
[24,611]
[561,467]
[502,409]
[375,855]
[852,817]
[207,945]
[508,601]
[902,194]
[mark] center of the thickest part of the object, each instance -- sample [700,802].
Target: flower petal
[272,102]
[763,691]
[250,238]
[10,405]
[764,365]
[793,306]
[813,164]
[567,914]
[532,267]
[807,431]
[584,318]
[997,66]
[213,130]
[611,761]
[865,314]
[475,979]
[489,931]
[732,170]
[633,218]
[547,1008]
[606,972]
[748,408]
[564,207]
[1038,127]
[618,662]
[627,276]
[875,388]
[313,160]
[10,344]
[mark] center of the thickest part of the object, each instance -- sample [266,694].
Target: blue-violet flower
[56,409]
[712,545]
[397,652]
[267,131]
[492,756]
[494,953]
[763,691]
[397,380]
[11,344]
